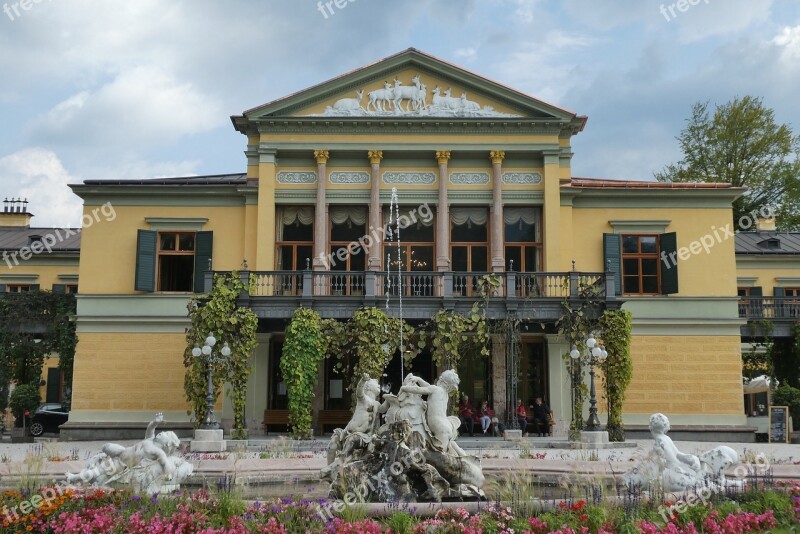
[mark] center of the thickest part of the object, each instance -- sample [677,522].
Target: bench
[275,417]
[334,418]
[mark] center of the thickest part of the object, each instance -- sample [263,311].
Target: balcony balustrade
[782,312]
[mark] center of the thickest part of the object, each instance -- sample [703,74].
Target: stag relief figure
[350,105]
[406,93]
[379,96]
[450,102]
[469,105]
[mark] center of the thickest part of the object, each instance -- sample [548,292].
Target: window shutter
[204,245]
[59,288]
[2,288]
[779,292]
[146,261]
[612,255]
[34,287]
[669,268]
[756,291]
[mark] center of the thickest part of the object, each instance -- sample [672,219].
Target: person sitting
[486,415]
[522,416]
[540,423]
[467,415]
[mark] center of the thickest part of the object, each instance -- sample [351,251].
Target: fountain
[412,455]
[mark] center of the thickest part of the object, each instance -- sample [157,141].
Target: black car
[47,418]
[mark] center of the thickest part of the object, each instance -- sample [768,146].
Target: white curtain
[355,214]
[477,216]
[289,215]
[513,215]
[409,216]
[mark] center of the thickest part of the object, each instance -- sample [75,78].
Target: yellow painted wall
[46,275]
[685,375]
[713,274]
[129,372]
[108,249]
[766,276]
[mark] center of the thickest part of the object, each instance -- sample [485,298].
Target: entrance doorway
[474,372]
[533,372]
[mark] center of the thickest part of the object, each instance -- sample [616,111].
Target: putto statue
[674,470]
[151,466]
[412,456]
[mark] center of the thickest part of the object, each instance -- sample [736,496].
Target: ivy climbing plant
[618,367]
[579,318]
[218,313]
[34,325]
[367,342]
[303,350]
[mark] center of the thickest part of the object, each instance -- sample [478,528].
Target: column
[552,213]
[375,222]
[265,217]
[443,262]
[498,226]
[321,212]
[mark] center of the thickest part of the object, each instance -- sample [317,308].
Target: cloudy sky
[139,89]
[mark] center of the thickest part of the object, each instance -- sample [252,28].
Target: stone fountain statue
[151,466]
[676,471]
[412,456]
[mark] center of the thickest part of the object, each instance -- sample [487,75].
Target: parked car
[47,418]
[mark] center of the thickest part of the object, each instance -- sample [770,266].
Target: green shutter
[669,263]
[2,288]
[756,292]
[612,255]
[59,288]
[780,305]
[146,261]
[34,287]
[204,245]
[779,292]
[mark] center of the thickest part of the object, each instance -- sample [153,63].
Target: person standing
[540,411]
[522,416]
[467,415]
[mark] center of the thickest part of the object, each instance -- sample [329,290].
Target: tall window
[295,239]
[523,239]
[640,265]
[348,225]
[176,261]
[417,238]
[469,246]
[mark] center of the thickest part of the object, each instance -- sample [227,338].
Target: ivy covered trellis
[218,313]
[33,326]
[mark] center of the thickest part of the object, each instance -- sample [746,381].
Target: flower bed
[97,511]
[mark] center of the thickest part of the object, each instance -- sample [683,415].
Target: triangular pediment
[411,85]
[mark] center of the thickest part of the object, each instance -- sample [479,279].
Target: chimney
[15,213]
[765,224]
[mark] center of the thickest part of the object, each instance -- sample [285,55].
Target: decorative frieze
[297,177]
[469,178]
[409,178]
[348,177]
[522,178]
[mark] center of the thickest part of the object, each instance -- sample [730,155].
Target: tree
[743,145]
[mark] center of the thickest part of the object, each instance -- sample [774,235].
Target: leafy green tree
[743,145]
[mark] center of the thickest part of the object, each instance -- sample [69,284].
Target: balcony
[782,312]
[338,294]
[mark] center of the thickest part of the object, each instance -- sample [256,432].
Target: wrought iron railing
[422,284]
[757,308]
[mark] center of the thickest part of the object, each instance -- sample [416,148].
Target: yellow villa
[482,172]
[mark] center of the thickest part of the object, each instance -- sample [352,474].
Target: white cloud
[789,39]
[467,54]
[144,106]
[719,18]
[38,175]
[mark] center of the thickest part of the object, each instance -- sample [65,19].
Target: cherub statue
[362,425]
[405,406]
[443,428]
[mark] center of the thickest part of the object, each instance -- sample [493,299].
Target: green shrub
[786,395]
[24,397]
[401,523]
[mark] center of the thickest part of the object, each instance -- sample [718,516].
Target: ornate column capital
[322,156]
[497,156]
[442,156]
[375,156]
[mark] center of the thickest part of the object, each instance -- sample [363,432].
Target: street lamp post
[595,354]
[207,353]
